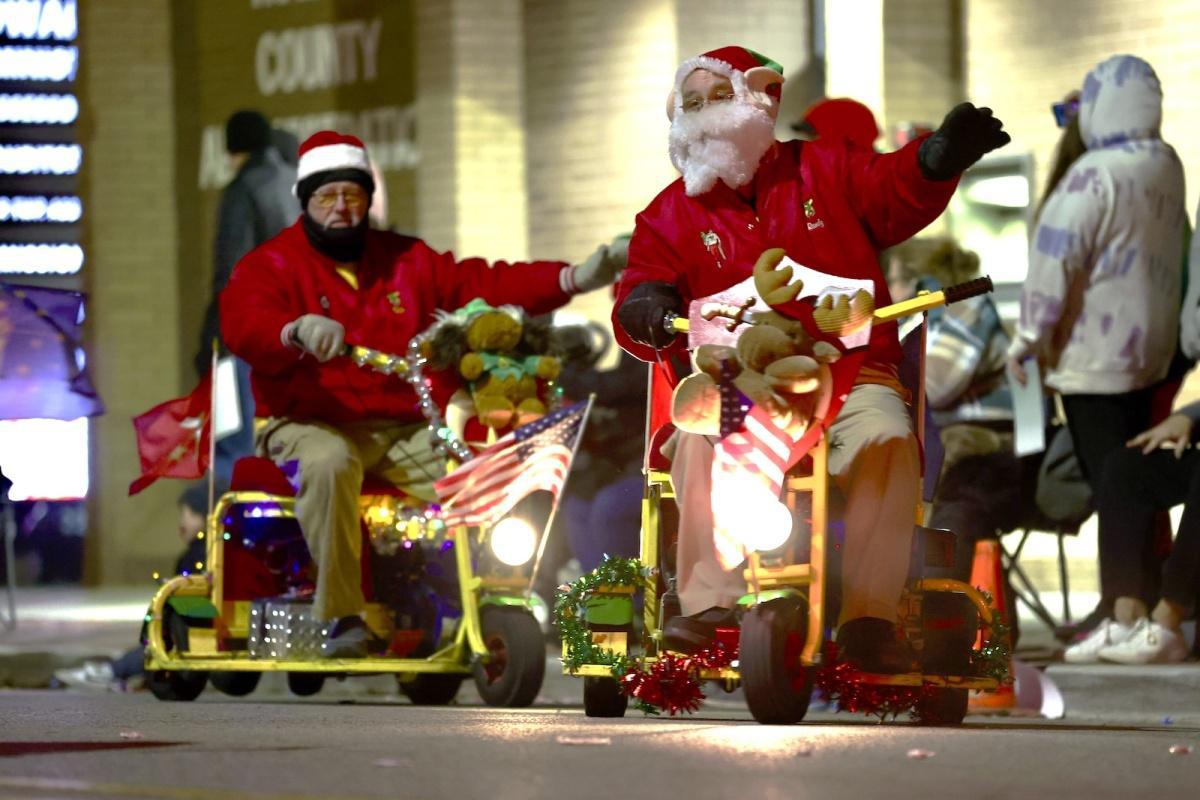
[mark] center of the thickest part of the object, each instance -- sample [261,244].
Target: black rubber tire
[777,686]
[513,677]
[305,684]
[235,684]
[432,688]
[171,685]
[942,707]
[602,697]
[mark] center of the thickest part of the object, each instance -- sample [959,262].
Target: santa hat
[329,156]
[755,78]
[843,118]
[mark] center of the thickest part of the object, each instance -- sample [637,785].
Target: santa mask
[722,141]
[725,139]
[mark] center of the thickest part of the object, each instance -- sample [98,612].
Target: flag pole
[212,441]
[537,561]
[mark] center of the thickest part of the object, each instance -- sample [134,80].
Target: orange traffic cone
[987,573]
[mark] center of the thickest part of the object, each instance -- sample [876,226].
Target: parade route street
[79,744]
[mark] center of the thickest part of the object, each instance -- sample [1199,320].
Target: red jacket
[402,281]
[861,202]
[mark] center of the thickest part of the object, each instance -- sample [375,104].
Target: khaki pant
[874,462]
[333,462]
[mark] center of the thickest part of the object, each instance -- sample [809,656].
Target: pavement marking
[124,790]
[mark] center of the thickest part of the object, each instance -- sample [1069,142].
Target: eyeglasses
[1065,112]
[696,102]
[355,199]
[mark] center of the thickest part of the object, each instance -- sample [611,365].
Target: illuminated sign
[40,159]
[41,259]
[40,209]
[21,63]
[45,109]
[38,19]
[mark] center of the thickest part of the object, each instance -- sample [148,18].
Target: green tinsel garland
[569,605]
[992,659]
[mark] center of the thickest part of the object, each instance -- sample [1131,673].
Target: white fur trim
[332,156]
[736,77]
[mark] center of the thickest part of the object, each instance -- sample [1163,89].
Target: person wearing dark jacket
[257,204]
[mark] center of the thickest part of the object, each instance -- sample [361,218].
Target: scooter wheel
[235,684]
[512,676]
[602,697]
[942,707]
[777,686]
[175,685]
[305,684]
[432,688]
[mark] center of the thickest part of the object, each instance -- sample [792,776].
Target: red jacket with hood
[401,283]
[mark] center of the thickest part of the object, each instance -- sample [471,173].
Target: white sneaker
[90,675]
[1150,643]
[1107,633]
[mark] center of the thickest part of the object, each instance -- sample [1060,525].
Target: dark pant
[1100,425]
[1135,488]
[607,523]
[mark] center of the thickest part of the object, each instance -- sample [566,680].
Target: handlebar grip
[972,288]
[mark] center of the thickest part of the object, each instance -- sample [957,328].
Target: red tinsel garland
[839,682]
[672,683]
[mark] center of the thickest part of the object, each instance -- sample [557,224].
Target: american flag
[534,457]
[750,441]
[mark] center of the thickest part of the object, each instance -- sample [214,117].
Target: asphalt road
[363,742]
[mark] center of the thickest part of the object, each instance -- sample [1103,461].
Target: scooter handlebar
[972,288]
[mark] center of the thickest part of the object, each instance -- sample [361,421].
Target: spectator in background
[1099,307]
[256,205]
[602,507]
[126,672]
[839,118]
[979,489]
[287,145]
[1157,470]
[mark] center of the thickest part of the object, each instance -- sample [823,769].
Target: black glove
[644,310]
[966,134]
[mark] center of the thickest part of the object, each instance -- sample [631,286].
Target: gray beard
[724,142]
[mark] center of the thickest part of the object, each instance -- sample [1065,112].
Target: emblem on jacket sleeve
[810,212]
[393,299]
[712,243]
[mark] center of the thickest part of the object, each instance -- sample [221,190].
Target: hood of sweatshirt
[1121,101]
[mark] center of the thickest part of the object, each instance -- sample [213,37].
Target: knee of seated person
[1123,467]
[888,431]
[334,463]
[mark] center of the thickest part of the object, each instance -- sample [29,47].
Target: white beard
[723,140]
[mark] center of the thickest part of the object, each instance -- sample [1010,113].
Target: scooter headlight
[513,541]
[771,526]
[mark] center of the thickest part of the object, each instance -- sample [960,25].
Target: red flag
[173,437]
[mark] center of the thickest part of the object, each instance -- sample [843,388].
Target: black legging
[1133,490]
[1100,425]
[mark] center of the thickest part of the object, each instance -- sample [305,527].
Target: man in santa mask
[289,310]
[832,205]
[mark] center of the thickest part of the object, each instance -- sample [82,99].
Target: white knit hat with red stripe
[329,156]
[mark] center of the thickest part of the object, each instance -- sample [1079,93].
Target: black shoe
[695,633]
[347,638]
[872,644]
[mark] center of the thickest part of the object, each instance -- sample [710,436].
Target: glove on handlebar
[645,309]
[966,134]
[320,336]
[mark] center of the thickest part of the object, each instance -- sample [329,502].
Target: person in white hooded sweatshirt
[1100,305]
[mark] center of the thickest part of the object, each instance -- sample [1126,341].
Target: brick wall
[596,80]
[128,185]
[1023,55]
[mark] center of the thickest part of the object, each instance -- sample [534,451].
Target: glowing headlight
[745,509]
[513,541]
[769,526]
